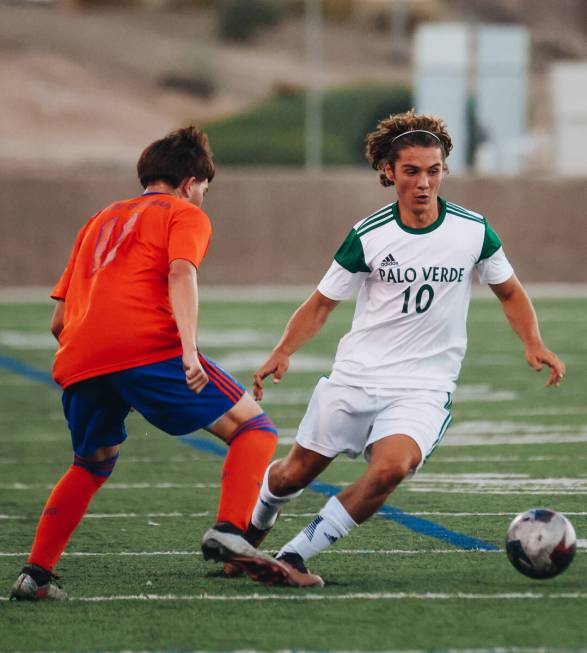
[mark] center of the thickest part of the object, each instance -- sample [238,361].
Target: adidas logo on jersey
[388,260]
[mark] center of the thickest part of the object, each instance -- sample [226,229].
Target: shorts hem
[316,447]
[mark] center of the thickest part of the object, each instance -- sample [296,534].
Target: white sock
[331,523]
[268,505]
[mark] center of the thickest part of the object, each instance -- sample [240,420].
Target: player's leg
[425,415]
[312,452]
[96,417]
[392,458]
[328,428]
[284,480]
[251,437]
[159,392]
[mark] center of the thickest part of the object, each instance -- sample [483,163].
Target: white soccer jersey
[409,329]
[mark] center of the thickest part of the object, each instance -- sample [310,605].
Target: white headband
[413,131]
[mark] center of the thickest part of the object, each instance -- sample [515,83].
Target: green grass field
[138,581]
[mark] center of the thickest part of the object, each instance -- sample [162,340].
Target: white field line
[500,649]
[287,437]
[120,486]
[475,483]
[511,439]
[581,548]
[127,459]
[505,459]
[140,554]
[265,293]
[287,515]
[490,428]
[206,338]
[351,596]
[336,461]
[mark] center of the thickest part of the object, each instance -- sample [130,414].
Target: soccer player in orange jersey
[126,320]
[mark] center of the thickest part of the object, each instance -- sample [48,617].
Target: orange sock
[63,511]
[249,453]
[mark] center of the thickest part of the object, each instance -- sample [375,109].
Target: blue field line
[16,366]
[416,524]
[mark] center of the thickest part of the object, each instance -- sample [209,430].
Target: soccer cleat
[226,543]
[254,536]
[35,584]
[297,573]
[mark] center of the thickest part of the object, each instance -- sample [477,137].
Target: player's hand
[539,356]
[195,376]
[277,364]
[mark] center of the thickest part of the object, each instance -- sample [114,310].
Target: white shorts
[347,419]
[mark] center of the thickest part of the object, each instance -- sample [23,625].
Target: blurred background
[287,91]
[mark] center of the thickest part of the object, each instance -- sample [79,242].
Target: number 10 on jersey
[422,300]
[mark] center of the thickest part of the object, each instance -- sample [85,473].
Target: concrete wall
[283,226]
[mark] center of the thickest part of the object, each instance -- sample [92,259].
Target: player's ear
[388,170]
[186,185]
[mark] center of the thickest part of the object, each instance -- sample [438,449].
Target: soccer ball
[541,543]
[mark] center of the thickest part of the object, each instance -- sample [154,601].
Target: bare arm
[521,315]
[183,296]
[303,325]
[57,321]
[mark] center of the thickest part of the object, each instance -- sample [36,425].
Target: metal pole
[400,50]
[313,97]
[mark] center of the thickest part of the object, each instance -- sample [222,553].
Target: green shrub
[239,20]
[273,132]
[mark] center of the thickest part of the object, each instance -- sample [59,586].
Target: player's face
[194,191]
[417,174]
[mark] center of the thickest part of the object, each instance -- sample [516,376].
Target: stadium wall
[283,226]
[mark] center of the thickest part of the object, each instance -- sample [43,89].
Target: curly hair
[382,148]
[182,153]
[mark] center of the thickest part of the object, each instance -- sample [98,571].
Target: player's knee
[384,478]
[286,477]
[258,424]
[100,469]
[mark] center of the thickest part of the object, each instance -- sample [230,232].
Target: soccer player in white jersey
[390,391]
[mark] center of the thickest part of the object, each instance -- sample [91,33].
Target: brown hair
[382,148]
[182,153]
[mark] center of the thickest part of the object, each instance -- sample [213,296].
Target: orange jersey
[117,310]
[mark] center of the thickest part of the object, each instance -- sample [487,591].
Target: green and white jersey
[409,329]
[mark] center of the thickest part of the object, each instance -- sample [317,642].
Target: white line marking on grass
[489,484]
[351,596]
[207,338]
[581,547]
[481,392]
[160,515]
[503,459]
[287,437]
[452,440]
[295,293]
[37,437]
[125,459]
[534,412]
[481,427]
[119,486]
[243,361]
[501,649]
[135,554]
[286,515]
